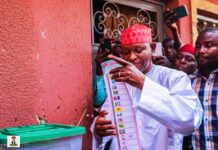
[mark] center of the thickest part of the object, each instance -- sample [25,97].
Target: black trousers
[187,143]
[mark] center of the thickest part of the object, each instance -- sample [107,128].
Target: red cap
[136,34]
[187,48]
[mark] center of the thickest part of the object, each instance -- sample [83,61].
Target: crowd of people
[175,95]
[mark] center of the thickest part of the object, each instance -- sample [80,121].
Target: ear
[153,46]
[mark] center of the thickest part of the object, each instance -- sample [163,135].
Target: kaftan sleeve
[176,106]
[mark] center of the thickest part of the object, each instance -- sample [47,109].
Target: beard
[209,65]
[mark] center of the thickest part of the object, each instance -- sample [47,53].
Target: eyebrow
[204,42]
[138,46]
[124,48]
[141,46]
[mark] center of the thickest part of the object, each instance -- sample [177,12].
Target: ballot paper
[121,112]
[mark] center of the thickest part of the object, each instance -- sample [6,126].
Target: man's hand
[161,60]
[128,73]
[101,56]
[168,17]
[104,127]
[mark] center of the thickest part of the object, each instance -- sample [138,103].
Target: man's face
[185,62]
[139,55]
[169,50]
[206,50]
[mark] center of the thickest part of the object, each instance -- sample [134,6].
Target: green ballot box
[43,136]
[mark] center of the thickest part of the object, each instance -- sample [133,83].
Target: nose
[132,57]
[202,50]
[183,60]
[167,50]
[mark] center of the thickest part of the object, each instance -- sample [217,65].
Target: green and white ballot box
[42,137]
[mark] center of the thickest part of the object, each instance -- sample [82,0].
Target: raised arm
[168,15]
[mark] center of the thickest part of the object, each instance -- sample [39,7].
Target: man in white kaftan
[166,106]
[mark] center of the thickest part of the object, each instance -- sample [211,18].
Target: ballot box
[42,137]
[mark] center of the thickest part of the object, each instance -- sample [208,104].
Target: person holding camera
[170,46]
[184,59]
[165,104]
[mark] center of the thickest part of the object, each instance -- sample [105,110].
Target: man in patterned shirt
[206,85]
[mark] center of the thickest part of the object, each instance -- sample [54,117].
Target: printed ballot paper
[121,112]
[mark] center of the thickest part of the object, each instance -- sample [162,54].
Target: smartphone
[106,45]
[180,12]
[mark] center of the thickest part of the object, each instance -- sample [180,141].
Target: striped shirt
[206,136]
